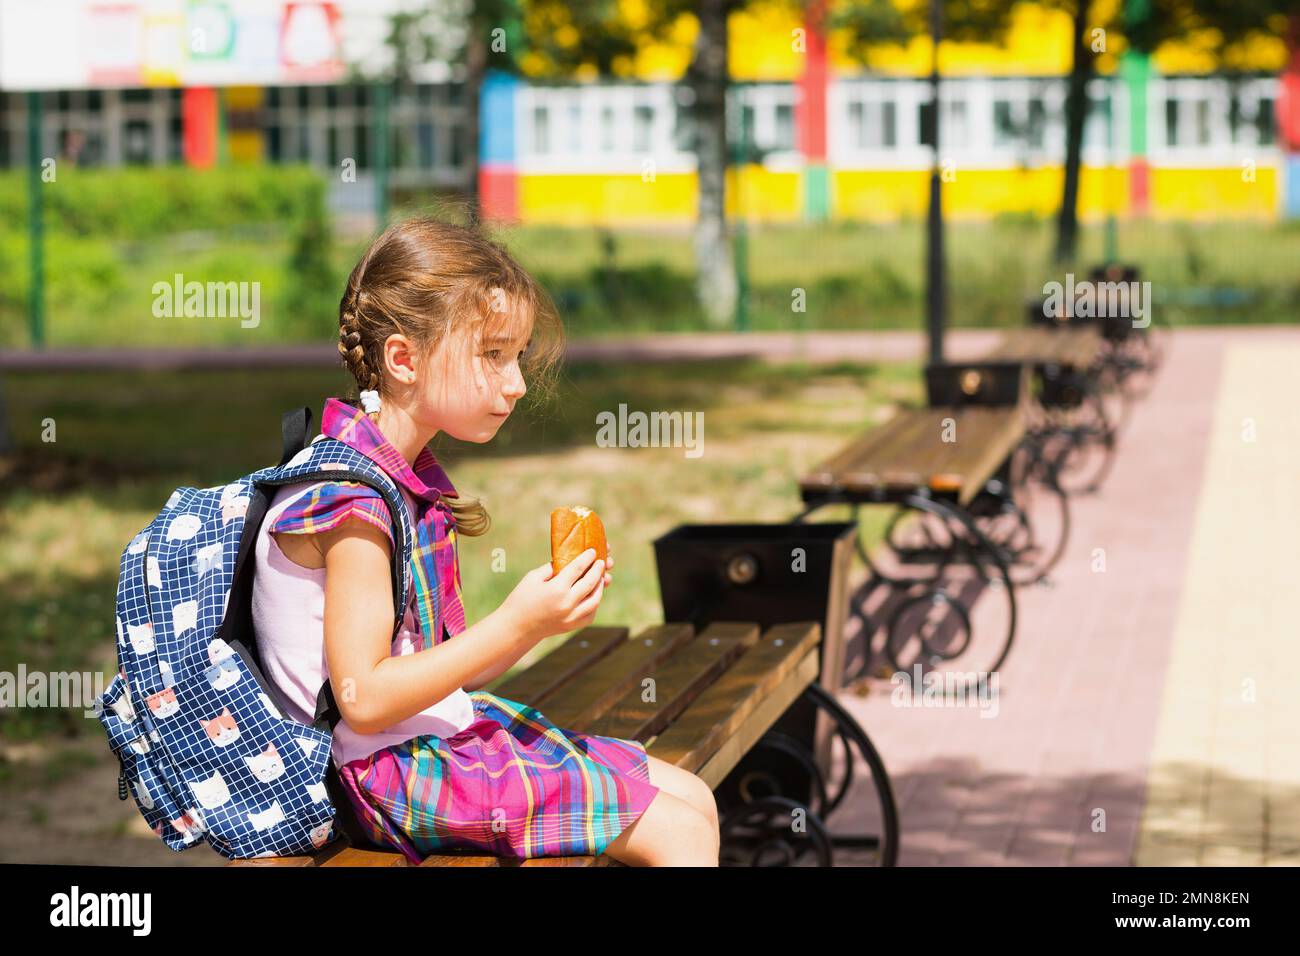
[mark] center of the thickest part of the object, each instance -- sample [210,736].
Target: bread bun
[573,530]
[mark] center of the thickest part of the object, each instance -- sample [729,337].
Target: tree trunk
[476,55]
[1076,114]
[708,77]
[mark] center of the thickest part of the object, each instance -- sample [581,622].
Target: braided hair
[427,279]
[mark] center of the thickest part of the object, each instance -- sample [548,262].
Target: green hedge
[145,203]
[111,233]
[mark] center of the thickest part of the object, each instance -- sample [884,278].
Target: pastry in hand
[574,530]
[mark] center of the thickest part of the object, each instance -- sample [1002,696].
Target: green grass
[124,441]
[852,276]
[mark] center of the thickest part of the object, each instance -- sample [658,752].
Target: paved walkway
[1148,710]
[814,347]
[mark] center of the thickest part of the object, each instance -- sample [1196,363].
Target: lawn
[852,276]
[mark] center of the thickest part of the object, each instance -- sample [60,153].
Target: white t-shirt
[289,620]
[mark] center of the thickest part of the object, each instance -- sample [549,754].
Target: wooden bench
[1079,404]
[716,694]
[909,455]
[937,465]
[1074,347]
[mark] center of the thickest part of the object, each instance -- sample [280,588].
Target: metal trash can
[770,574]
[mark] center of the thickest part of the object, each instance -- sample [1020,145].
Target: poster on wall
[87,44]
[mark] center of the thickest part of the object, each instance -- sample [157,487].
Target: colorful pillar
[498,175]
[810,115]
[1135,67]
[201,123]
[1288,122]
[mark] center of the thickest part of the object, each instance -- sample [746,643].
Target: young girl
[433,326]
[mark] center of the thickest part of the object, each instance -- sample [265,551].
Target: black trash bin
[770,574]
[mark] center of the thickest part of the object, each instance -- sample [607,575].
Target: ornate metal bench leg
[1086,444]
[854,738]
[760,820]
[1006,514]
[989,565]
[773,831]
[939,553]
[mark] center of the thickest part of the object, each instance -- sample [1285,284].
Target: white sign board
[85,44]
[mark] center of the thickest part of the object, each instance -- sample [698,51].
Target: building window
[1037,123]
[1202,119]
[361,144]
[784,126]
[607,129]
[135,143]
[1004,127]
[541,130]
[747,118]
[1187,121]
[873,125]
[428,157]
[457,146]
[575,126]
[1265,121]
[643,119]
[955,131]
[1097,129]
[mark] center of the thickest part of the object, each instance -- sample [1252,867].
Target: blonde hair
[428,279]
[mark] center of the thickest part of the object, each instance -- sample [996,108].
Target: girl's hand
[544,603]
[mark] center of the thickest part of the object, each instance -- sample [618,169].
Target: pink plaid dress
[510,783]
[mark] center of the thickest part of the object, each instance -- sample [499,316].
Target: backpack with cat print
[203,748]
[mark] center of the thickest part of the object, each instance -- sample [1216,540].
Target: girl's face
[478,382]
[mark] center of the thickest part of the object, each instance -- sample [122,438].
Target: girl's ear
[400,358]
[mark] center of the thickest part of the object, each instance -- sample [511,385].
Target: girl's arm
[497,668]
[374,689]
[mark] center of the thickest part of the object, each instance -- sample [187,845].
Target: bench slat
[768,712]
[915,456]
[319,858]
[677,682]
[581,650]
[723,710]
[605,682]
[352,856]
[463,859]
[1070,347]
[857,461]
[569,861]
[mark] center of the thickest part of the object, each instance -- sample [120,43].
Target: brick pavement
[1128,680]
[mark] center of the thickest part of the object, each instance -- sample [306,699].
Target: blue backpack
[203,748]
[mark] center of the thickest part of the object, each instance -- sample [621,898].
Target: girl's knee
[705,800]
[697,834]
[671,832]
[685,786]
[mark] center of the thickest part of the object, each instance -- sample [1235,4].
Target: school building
[244,81]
